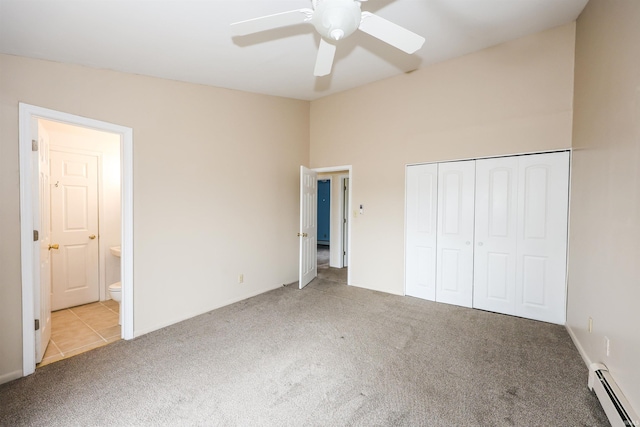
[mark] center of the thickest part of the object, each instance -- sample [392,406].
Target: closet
[490,234]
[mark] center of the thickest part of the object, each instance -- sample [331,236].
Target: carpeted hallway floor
[327,355]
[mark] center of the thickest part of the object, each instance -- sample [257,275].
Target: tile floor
[78,329]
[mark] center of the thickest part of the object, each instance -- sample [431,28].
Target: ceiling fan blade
[390,33]
[324,60]
[269,22]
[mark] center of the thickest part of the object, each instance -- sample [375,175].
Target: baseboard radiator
[615,405]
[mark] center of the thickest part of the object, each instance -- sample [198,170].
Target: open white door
[308,269]
[42,253]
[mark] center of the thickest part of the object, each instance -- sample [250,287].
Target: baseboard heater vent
[615,405]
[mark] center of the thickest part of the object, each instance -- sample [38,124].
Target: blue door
[324,211]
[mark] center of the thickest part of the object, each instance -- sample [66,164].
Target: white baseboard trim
[583,354]
[5,378]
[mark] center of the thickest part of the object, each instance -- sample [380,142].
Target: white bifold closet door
[495,235]
[454,257]
[421,217]
[543,200]
[521,235]
[490,234]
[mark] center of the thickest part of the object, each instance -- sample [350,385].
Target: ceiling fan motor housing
[337,19]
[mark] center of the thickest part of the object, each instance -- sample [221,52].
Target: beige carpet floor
[327,355]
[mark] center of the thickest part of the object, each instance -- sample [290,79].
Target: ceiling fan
[334,20]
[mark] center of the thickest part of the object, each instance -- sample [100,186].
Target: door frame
[349,174]
[28,112]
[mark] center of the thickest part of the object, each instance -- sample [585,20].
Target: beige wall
[604,258]
[215,187]
[512,98]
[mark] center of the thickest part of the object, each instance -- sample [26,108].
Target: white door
[308,226]
[542,230]
[74,227]
[421,233]
[454,259]
[41,221]
[495,234]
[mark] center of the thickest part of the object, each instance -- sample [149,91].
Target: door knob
[54,246]
[302,234]
[93,236]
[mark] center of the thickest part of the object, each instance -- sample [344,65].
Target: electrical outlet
[241,278]
[590,328]
[607,346]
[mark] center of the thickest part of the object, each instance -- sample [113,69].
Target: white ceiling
[189,40]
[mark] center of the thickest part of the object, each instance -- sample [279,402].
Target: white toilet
[115,290]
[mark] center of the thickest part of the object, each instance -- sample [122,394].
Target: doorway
[84,195]
[35,301]
[333,250]
[85,213]
[324,221]
[324,211]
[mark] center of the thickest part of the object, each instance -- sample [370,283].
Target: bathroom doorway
[85,213]
[113,167]
[85,194]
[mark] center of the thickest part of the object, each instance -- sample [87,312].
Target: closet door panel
[421,216]
[495,234]
[542,237]
[454,260]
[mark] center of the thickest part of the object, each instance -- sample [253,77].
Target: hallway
[330,273]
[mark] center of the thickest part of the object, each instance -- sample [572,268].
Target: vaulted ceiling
[190,40]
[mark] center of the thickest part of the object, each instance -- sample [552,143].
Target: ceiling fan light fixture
[337,19]
[337,34]
[334,20]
